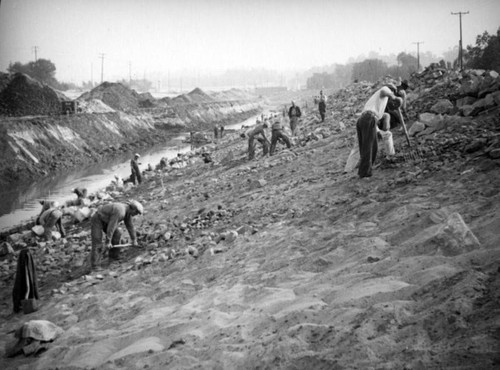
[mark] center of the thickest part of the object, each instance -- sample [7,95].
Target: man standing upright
[367,129]
[294,114]
[322,105]
[134,168]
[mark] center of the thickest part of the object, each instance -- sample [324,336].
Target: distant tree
[42,70]
[18,67]
[141,85]
[485,54]
[320,81]
[408,64]
[369,70]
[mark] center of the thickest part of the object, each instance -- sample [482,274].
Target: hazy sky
[143,36]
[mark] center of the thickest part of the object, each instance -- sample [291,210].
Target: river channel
[20,202]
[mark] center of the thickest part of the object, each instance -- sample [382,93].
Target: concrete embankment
[34,146]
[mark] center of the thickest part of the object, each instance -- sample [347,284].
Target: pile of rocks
[442,91]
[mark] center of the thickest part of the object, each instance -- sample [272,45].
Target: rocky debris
[307,259]
[24,96]
[94,106]
[33,337]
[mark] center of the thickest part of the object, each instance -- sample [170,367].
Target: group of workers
[382,112]
[257,132]
[104,221]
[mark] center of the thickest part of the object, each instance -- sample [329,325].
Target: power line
[35,49]
[102,66]
[418,53]
[460,56]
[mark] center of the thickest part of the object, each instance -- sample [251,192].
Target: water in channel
[21,202]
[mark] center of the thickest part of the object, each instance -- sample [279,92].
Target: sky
[133,38]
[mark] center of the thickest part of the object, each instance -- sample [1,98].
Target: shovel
[120,246]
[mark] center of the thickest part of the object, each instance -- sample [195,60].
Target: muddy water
[20,202]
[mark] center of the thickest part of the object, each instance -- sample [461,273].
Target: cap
[137,206]
[137,155]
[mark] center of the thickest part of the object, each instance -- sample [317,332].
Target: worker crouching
[106,220]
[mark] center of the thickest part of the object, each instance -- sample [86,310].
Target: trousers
[251,146]
[276,135]
[98,227]
[366,128]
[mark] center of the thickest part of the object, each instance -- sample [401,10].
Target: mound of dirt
[199,96]
[24,96]
[115,95]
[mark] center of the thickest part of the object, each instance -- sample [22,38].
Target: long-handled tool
[121,245]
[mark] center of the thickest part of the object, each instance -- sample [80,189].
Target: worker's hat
[137,206]
[137,155]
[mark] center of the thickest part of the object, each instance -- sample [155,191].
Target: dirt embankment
[112,120]
[289,262]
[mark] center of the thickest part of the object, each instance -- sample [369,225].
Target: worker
[134,168]
[277,134]
[49,218]
[294,114]
[106,221]
[257,133]
[322,105]
[367,128]
[81,197]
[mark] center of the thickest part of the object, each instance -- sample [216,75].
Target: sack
[388,142]
[353,160]
[29,305]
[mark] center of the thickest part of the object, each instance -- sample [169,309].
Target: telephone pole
[460,56]
[102,67]
[130,73]
[418,54]
[35,49]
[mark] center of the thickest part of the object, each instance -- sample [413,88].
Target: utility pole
[460,56]
[102,67]
[418,54]
[35,49]
[130,73]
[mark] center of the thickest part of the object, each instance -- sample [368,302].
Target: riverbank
[111,119]
[290,262]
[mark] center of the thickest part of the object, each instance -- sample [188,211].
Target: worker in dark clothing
[294,114]
[277,134]
[322,105]
[81,194]
[106,220]
[253,134]
[134,168]
[396,107]
[367,128]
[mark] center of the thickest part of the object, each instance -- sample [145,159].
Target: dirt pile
[24,96]
[287,261]
[118,97]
